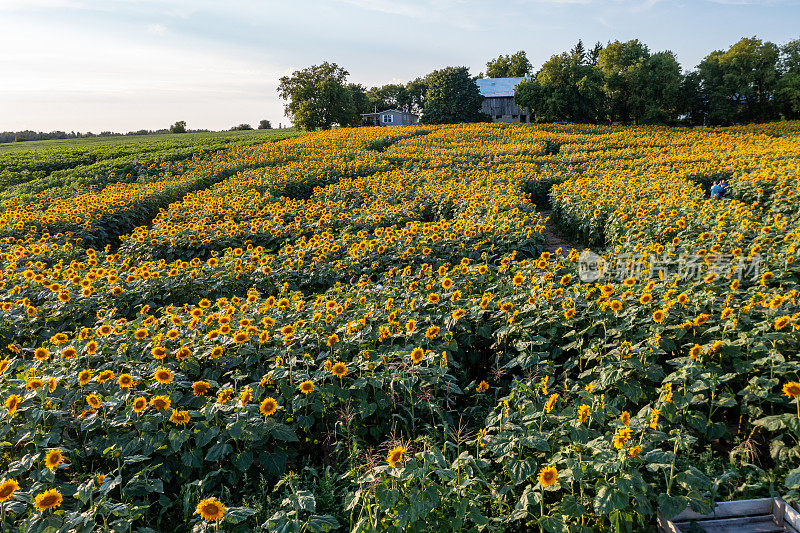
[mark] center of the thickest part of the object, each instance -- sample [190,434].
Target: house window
[387,119]
[498,116]
[515,116]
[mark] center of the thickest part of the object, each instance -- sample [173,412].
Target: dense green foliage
[509,66]
[752,81]
[317,97]
[564,89]
[452,96]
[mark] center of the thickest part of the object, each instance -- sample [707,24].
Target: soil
[553,239]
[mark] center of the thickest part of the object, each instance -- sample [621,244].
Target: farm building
[390,117]
[498,100]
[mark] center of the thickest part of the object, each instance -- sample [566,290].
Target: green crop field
[63,167]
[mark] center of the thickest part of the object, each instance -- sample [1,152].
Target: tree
[452,97]
[392,96]
[787,94]
[579,51]
[178,127]
[564,89]
[358,93]
[739,84]
[242,127]
[317,97]
[658,98]
[623,65]
[513,66]
[691,103]
[264,125]
[594,54]
[416,90]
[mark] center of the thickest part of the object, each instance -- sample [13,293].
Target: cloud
[157,29]
[34,5]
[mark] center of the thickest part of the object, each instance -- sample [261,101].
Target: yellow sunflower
[210,510]
[139,404]
[160,402]
[126,381]
[7,489]
[268,406]
[53,459]
[548,476]
[792,389]
[163,375]
[180,418]
[49,499]
[395,455]
[339,369]
[94,401]
[306,386]
[199,388]
[12,402]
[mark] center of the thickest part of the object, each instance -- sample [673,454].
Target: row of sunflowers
[374,317]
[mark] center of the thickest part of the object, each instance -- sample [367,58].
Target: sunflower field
[369,330]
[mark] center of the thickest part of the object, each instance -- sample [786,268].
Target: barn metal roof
[493,87]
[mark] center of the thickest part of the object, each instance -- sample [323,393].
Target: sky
[123,65]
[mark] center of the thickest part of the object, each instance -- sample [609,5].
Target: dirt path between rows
[553,239]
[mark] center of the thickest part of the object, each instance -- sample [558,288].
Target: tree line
[751,81]
[177,127]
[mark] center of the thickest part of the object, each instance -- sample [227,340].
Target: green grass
[181,139]
[65,167]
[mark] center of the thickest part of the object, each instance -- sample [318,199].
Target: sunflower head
[268,406]
[583,413]
[7,489]
[160,402]
[126,381]
[49,499]
[53,459]
[180,418]
[199,388]
[306,386]
[210,510]
[548,476]
[163,375]
[417,354]
[12,402]
[139,404]
[93,400]
[395,455]
[792,389]
[339,369]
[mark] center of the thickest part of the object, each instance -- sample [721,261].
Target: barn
[390,117]
[498,100]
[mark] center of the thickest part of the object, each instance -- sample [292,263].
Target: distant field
[70,166]
[136,141]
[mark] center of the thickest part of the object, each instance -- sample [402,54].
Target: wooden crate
[763,515]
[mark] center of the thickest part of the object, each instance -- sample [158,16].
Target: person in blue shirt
[716,191]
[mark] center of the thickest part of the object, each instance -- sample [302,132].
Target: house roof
[386,111]
[494,87]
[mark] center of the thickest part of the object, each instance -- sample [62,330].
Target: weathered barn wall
[503,109]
